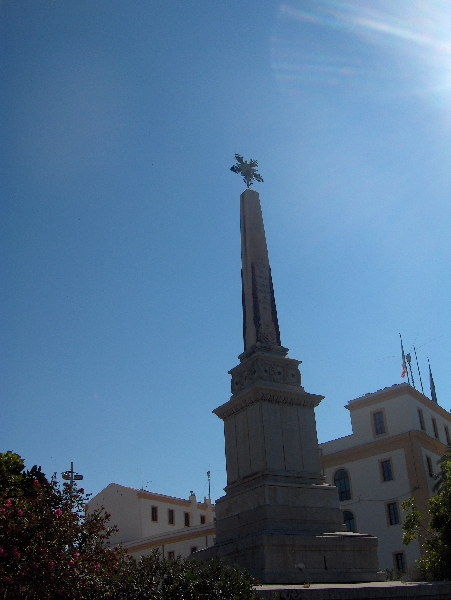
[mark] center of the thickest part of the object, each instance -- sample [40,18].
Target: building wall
[123,505]
[370,496]
[143,520]
[407,447]
[164,504]
[179,543]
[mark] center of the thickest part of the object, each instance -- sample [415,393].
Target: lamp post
[71,476]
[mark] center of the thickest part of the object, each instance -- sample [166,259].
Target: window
[341,480]
[386,470]
[193,549]
[448,440]
[171,555]
[348,520]
[434,427]
[421,418]
[392,510]
[400,562]
[429,465]
[154,513]
[379,424]
[171,519]
[186,519]
[202,519]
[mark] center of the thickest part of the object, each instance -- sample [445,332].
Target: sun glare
[397,48]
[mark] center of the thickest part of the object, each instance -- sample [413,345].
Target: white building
[398,437]
[148,521]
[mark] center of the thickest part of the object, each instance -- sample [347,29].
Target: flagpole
[418,367]
[432,384]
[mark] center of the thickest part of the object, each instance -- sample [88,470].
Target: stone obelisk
[277,511]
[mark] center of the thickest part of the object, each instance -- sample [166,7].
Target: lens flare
[400,48]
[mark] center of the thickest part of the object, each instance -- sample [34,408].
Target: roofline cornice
[399,389]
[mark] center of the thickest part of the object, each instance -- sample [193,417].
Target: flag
[404,368]
[404,364]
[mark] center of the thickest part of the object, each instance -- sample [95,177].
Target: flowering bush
[50,549]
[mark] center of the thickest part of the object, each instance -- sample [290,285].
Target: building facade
[398,437]
[148,521]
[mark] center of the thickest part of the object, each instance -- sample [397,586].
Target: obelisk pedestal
[277,511]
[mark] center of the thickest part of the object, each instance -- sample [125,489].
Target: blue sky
[120,249]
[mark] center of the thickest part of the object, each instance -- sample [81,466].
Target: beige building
[148,521]
[398,437]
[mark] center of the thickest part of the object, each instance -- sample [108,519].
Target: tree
[49,548]
[435,562]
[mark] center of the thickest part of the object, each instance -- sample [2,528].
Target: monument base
[283,558]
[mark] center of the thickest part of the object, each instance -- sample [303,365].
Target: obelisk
[260,324]
[277,510]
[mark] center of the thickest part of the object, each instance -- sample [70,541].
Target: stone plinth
[290,558]
[285,507]
[279,519]
[388,590]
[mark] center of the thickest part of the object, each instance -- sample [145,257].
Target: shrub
[48,547]
[152,578]
[435,562]
[51,549]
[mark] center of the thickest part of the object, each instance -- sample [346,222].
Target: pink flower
[71,562]
[7,579]
[76,554]
[8,503]
[2,510]
[20,512]
[2,552]
[97,567]
[15,552]
[36,482]
[51,564]
[58,512]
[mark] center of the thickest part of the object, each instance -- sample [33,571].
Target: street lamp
[71,476]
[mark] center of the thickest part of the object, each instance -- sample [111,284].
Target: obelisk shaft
[260,324]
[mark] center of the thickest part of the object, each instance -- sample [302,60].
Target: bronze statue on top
[247,169]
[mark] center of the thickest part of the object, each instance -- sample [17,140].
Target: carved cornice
[281,395]
[263,368]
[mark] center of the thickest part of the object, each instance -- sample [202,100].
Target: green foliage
[435,562]
[14,480]
[444,471]
[152,578]
[247,169]
[412,523]
[50,549]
